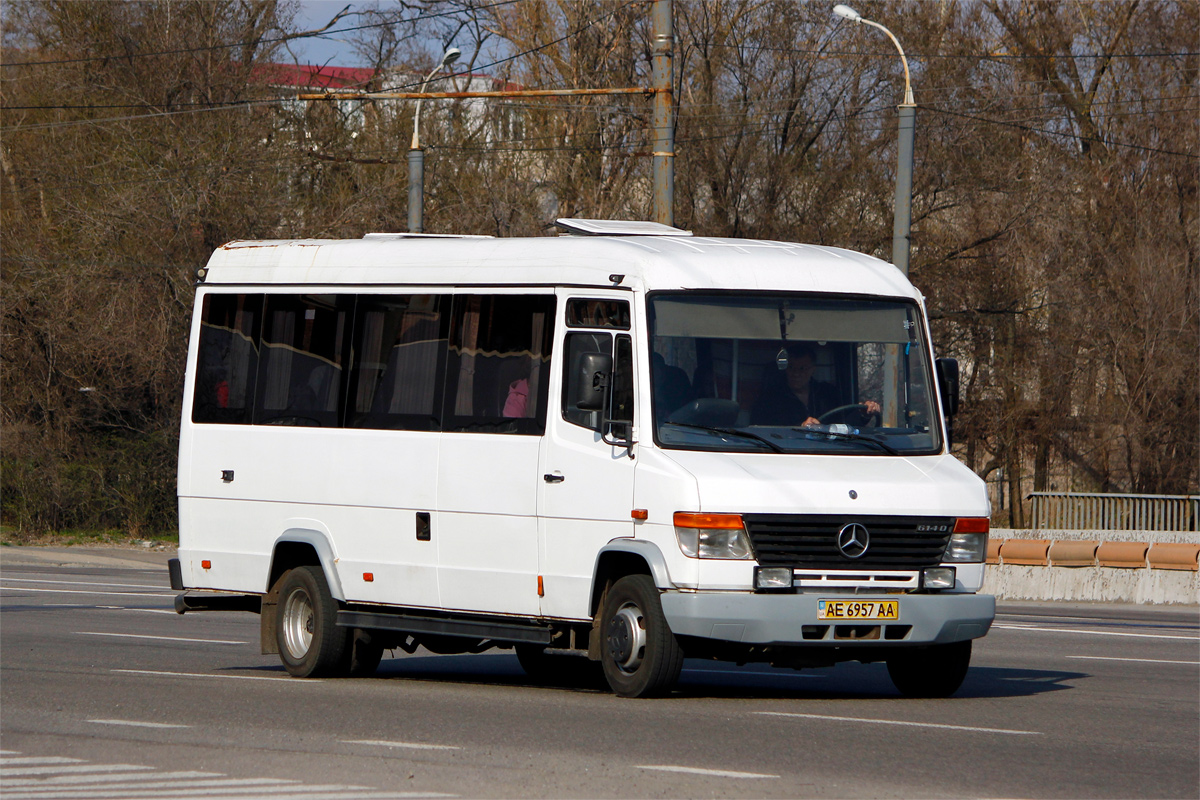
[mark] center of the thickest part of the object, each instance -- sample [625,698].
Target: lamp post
[416,156]
[902,224]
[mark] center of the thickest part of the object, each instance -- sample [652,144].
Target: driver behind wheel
[795,397]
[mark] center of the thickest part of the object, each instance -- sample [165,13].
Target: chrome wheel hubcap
[298,624]
[627,637]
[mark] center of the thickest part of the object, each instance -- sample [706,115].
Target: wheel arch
[622,557]
[305,543]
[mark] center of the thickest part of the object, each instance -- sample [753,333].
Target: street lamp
[416,156]
[901,227]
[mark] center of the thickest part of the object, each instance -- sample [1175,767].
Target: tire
[640,655]
[311,645]
[935,671]
[559,670]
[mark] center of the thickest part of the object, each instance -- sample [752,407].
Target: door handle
[553,477]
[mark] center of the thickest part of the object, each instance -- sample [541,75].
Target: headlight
[966,548]
[773,578]
[712,536]
[937,578]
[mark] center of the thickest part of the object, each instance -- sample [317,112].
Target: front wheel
[935,671]
[311,645]
[639,654]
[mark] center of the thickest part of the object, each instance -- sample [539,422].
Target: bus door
[586,483]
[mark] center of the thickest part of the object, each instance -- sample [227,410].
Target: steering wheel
[874,418]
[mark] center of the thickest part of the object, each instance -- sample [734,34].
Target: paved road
[107,693]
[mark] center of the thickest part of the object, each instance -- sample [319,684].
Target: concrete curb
[1092,584]
[1156,567]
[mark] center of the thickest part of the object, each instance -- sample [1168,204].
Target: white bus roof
[645,262]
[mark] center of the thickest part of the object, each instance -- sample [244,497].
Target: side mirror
[947,378]
[592,377]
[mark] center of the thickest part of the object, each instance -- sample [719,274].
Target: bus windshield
[780,373]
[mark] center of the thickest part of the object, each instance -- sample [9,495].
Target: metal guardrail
[1115,512]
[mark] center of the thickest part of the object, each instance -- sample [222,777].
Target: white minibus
[624,444]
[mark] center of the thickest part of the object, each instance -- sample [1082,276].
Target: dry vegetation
[1055,200]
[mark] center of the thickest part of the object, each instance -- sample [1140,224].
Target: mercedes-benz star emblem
[853,540]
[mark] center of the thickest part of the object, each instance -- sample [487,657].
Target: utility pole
[902,224]
[902,221]
[663,171]
[416,156]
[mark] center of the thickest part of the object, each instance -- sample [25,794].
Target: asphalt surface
[105,692]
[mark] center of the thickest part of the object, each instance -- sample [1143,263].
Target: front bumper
[791,619]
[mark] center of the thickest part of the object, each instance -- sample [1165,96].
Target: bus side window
[227,359]
[304,340]
[621,411]
[399,360]
[497,358]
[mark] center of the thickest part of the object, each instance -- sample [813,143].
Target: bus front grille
[798,540]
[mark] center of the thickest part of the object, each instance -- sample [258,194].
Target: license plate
[887,610]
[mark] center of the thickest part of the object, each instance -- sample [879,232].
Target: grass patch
[12,537]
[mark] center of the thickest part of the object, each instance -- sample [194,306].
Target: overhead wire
[235,45]
[241,103]
[1080,137]
[246,104]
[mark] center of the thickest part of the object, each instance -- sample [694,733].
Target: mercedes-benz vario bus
[625,445]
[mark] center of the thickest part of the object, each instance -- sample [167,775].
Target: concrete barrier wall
[1159,567]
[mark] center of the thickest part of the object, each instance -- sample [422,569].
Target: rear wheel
[935,671]
[640,655]
[311,645]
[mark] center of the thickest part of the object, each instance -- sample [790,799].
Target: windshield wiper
[852,436]
[732,432]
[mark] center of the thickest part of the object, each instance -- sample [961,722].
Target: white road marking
[134,724]
[83,583]
[294,681]
[407,745]
[153,611]
[1094,633]
[6,772]
[231,792]
[899,722]
[127,779]
[158,638]
[130,782]
[260,791]
[1138,660]
[714,773]
[80,591]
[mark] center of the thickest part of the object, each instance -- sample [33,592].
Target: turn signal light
[206,564]
[369,577]
[688,519]
[971,525]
